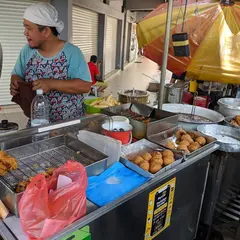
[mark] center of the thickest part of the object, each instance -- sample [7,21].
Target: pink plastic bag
[42,213]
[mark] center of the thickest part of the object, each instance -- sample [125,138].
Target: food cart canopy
[214,39]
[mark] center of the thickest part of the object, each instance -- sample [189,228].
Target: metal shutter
[12,40]
[85,31]
[110,45]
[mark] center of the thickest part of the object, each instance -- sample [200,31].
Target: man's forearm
[73,86]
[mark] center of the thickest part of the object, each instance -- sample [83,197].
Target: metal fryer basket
[51,153]
[37,157]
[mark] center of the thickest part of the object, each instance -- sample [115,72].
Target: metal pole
[165,54]
[124,37]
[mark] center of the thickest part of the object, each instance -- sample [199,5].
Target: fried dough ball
[193,146]
[183,148]
[167,153]
[157,159]
[147,156]
[155,167]
[170,145]
[21,186]
[10,162]
[187,137]
[180,132]
[237,119]
[3,154]
[201,140]
[184,142]
[194,134]
[209,139]
[191,134]
[233,122]
[50,171]
[144,165]
[3,171]
[156,153]
[168,160]
[138,160]
[197,134]
[178,141]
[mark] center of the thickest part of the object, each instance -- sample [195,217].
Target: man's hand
[14,86]
[45,84]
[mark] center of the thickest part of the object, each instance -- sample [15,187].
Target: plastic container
[104,144]
[90,109]
[113,130]
[39,110]
[120,119]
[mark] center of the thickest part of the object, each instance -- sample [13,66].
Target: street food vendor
[51,64]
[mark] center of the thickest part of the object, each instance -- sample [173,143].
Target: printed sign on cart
[80,234]
[160,204]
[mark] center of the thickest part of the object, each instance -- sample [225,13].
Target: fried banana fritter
[7,163]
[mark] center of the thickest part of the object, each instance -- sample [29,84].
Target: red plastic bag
[42,213]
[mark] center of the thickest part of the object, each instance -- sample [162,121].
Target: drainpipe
[165,54]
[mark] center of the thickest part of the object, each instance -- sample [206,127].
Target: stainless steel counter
[125,218]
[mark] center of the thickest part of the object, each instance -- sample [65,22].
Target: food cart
[177,193]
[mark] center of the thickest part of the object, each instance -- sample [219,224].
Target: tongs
[194,105]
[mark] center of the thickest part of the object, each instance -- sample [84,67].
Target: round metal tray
[214,116]
[228,138]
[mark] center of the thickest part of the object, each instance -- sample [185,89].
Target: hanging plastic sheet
[214,38]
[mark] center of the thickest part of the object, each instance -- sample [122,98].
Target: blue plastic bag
[113,183]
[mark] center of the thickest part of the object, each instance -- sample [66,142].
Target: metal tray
[36,157]
[170,135]
[228,138]
[140,128]
[140,147]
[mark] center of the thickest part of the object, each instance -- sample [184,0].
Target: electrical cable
[184,14]
[180,11]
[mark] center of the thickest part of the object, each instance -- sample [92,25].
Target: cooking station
[129,212]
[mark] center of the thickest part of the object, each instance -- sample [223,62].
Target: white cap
[44,14]
[39,91]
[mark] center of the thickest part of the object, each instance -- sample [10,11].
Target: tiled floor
[134,76]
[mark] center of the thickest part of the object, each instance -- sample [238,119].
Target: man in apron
[51,64]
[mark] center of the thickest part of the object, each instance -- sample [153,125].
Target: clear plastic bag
[42,213]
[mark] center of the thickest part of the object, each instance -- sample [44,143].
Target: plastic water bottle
[39,114]
[39,110]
